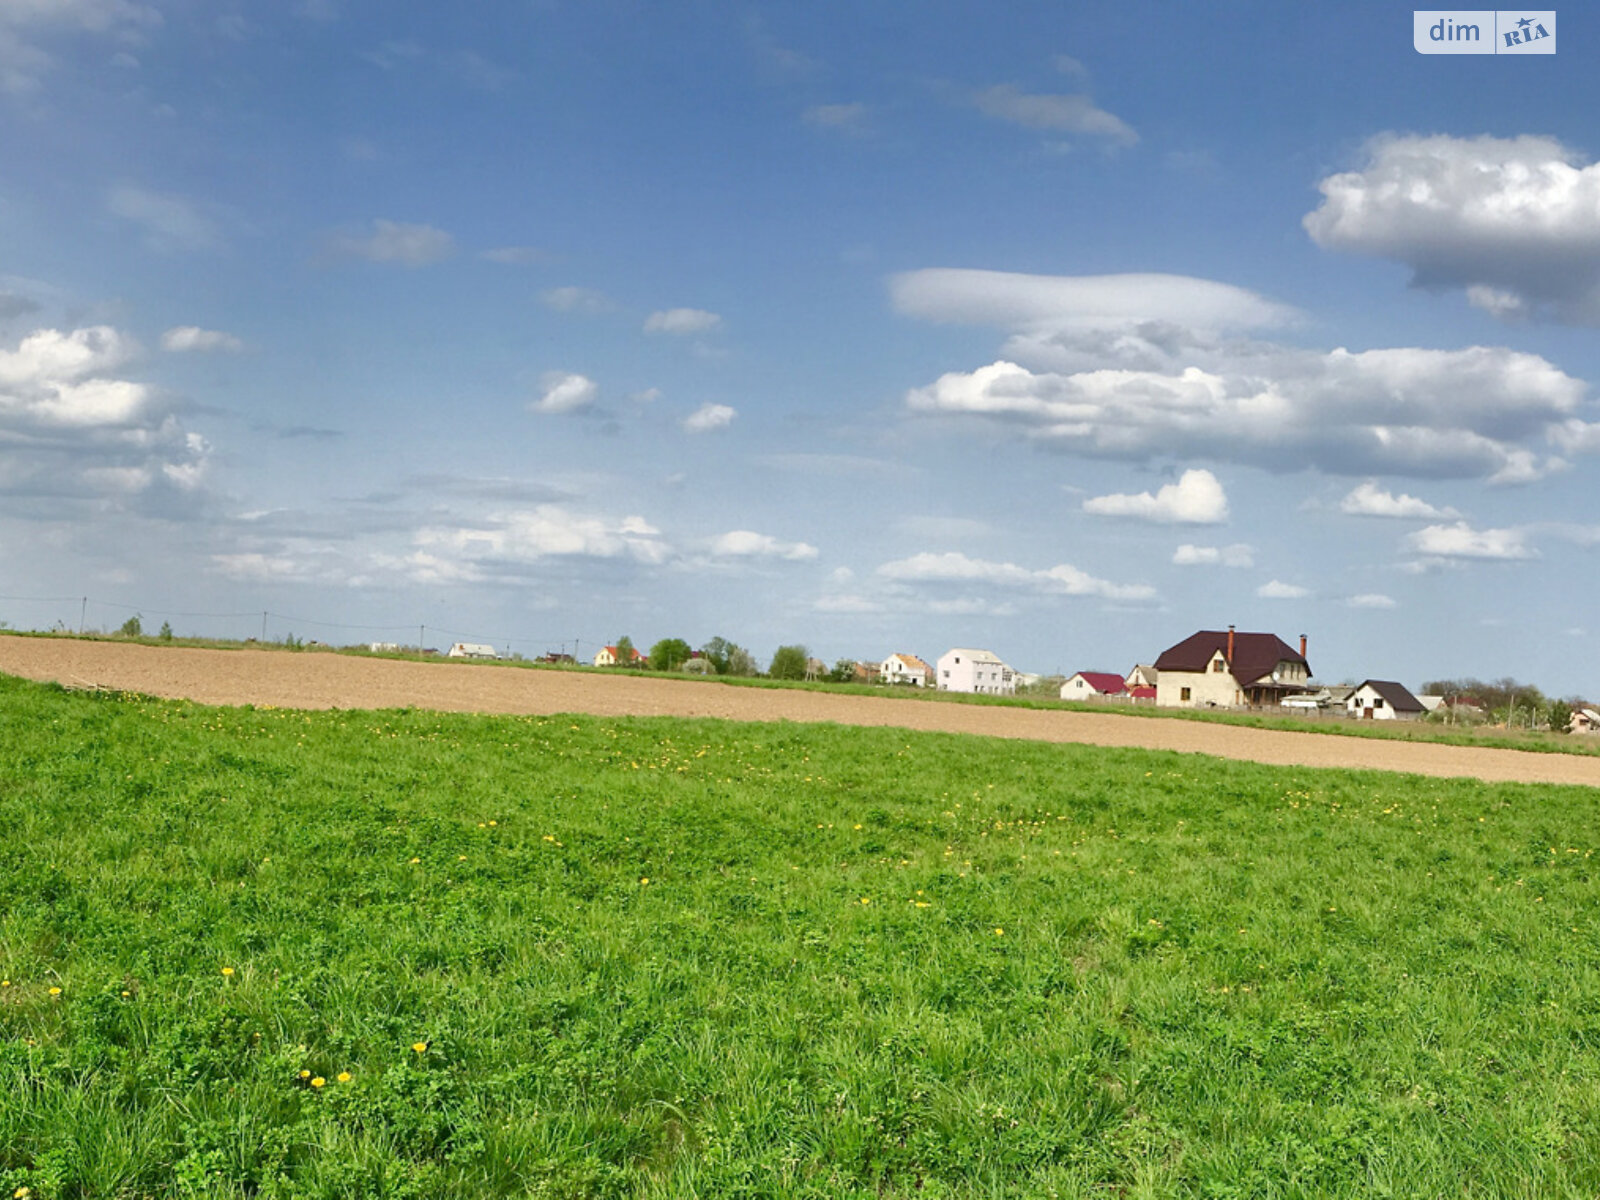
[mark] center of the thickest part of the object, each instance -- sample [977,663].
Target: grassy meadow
[269,953]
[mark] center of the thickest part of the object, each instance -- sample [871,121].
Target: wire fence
[92,614]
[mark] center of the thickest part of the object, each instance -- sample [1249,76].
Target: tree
[166,631]
[669,654]
[1560,716]
[716,652]
[625,652]
[789,662]
[741,663]
[843,671]
[132,627]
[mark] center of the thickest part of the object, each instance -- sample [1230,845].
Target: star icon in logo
[1525,22]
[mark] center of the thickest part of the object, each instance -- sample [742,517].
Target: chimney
[1302,645]
[1230,645]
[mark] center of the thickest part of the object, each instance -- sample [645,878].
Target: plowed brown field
[323,680]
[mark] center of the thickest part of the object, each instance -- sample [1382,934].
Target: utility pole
[263,625]
[83,612]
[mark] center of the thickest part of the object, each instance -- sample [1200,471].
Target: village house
[1142,676]
[1095,685]
[1584,720]
[1383,700]
[905,668]
[608,656]
[978,671]
[1225,669]
[471,650]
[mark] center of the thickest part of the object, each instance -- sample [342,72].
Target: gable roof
[1254,654]
[987,657]
[1103,681]
[1396,695]
[1142,693]
[912,663]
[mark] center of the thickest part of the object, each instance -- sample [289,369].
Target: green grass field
[345,954]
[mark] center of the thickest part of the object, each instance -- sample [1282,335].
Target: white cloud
[1512,221]
[1369,500]
[1460,540]
[709,417]
[23,63]
[186,338]
[170,222]
[70,427]
[1236,555]
[1056,113]
[848,118]
[1432,413]
[1370,600]
[565,392]
[397,242]
[586,301]
[743,543]
[1278,590]
[1062,579]
[681,321]
[1196,499]
[548,531]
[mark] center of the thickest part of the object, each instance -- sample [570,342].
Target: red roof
[1142,693]
[1104,682]
[1254,654]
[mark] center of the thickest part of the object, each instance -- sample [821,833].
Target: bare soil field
[324,680]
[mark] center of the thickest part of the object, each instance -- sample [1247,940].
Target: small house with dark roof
[1221,668]
[1095,685]
[1383,700]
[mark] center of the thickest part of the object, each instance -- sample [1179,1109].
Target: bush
[132,627]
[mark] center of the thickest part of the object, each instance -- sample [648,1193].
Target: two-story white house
[978,671]
[903,669]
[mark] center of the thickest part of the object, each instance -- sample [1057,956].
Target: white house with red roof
[905,668]
[610,656]
[1095,685]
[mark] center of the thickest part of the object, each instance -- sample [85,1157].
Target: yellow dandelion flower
[343,1077]
[305,1074]
[227,971]
[420,1047]
[644,880]
[492,824]
[5,983]
[866,899]
[319,1081]
[22,1193]
[416,860]
[998,932]
[55,991]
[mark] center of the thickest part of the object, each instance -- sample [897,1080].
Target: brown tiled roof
[1254,654]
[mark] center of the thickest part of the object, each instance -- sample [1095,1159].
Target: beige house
[1225,669]
[905,668]
[1584,720]
[606,656]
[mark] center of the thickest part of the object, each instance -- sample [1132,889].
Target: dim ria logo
[1484,31]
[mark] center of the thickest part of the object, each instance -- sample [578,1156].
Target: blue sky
[1062,331]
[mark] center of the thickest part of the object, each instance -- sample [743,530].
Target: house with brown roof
[1095,685]
[1383,700]
[1222,668]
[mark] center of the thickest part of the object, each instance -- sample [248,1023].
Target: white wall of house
[1215,687]
[977,671]
[895,669]
[1079,688]
[471,650]
[1365,697]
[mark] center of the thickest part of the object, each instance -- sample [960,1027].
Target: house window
[1378,702]
[1183,693]
[1217,666]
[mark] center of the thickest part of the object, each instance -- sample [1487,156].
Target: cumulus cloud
[709,417]
[24,63]
[681,321]
[516,538]
[1055,113]
[169,222]
[1513,222]
[1432,413]
[188,338]
[1276,589]
[1071,322]
[1370,500]
[565,392]
[587,301]
[1370,600]
[1461,541]
[744,543]
[1236,555]
[1061,580]
[397,242]
[70,426]
[1196,499]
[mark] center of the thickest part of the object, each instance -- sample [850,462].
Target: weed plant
[268,953]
